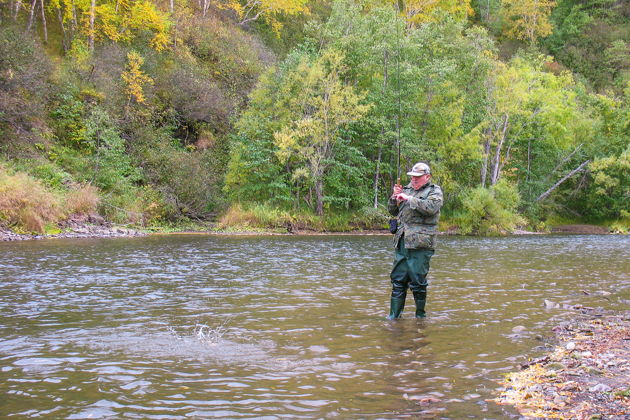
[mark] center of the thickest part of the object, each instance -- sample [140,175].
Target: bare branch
[557,184]
[564,160]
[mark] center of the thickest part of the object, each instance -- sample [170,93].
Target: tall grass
[26,204]
[253,217]
[82,199]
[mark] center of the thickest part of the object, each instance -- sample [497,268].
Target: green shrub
[608,195]
[48,173]
[68,120]
[111,166]
[489,211]
[24,88]
[142,206]
[190,181]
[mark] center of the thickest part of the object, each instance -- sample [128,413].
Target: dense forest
[302,114]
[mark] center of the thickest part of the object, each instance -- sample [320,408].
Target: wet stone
[600,388]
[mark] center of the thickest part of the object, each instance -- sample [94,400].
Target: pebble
[519,329]
[556,366]
[551,305]
[600,388]
[570,346]
[560,400]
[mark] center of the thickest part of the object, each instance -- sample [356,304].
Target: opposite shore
[99,228]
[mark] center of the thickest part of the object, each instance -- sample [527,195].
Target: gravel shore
[587,376]
[78,227]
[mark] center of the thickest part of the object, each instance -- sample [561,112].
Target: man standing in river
[417,207]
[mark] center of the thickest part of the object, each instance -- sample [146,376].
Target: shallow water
[187,326]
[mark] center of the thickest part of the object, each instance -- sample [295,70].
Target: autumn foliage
[177,110]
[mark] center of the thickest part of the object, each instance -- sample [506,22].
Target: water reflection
[276,327]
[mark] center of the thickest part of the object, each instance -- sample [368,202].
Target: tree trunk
[64,35]
[319,196]
[563,161]
[74,19]
[30,19]
[92,19]
[44,26]
[564,178]
[496,161]
[529,158]
[16,10]
[486,156]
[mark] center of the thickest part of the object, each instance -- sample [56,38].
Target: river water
[189,326]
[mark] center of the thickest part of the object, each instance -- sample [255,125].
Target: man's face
[418,182]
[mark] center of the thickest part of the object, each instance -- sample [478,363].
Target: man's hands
[398,194]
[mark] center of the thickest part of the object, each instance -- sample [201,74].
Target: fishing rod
[393,223]
[398,140]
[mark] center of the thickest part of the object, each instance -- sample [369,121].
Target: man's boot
[397,304]
[421,299]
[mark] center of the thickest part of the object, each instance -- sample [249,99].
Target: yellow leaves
[267,10]
[144,15]
[606,172]
[421,11]
[321,104]
[119,20]
[522,390]
[233,5]
[527,19]
[286,141]
[108,23]
[134,78]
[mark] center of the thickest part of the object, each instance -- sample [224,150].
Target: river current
[271,327]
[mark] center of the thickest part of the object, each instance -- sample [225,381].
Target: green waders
[410,270]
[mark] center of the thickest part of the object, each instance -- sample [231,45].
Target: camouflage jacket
[418,217]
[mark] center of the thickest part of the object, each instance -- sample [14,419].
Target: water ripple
[277,327]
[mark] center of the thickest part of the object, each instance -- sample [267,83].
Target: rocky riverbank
[92,226]
[586,377]
[95,226]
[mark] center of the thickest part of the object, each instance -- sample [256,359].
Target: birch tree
[267,10]
[530,110]
[527,20]
[325,105]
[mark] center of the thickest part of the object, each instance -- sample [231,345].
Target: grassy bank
[31,205]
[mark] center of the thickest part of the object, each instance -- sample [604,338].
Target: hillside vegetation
[302,114]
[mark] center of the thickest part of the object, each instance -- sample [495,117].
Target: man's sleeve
[429,206]
[392,207]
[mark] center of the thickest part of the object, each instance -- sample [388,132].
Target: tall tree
[119,21]
[324,105]
[527,20]
[267,10]
[135,79]
[420,11]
